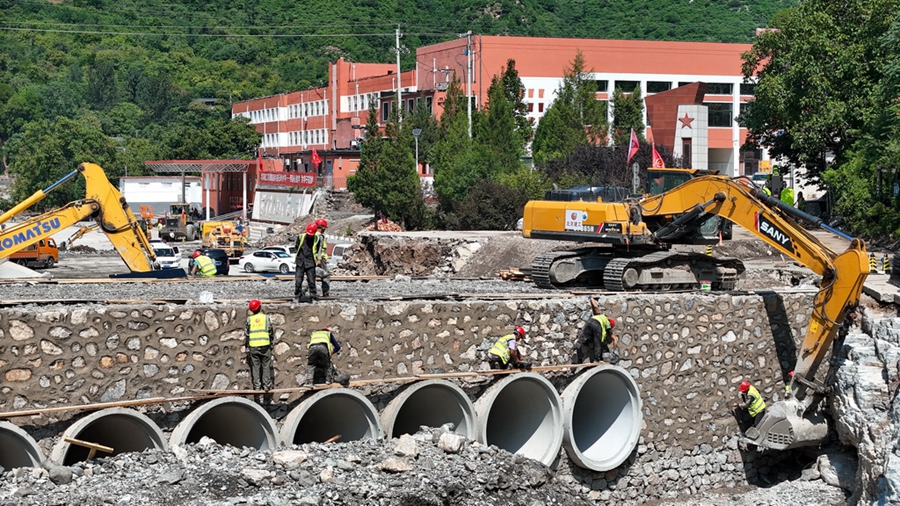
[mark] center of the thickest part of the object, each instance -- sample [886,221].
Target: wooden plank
[93,446]
[102,405]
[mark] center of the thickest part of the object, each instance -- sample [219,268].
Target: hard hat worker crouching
[505,353]
[597,340]
[202,265]
[319,367]
[752,401]
[259,336]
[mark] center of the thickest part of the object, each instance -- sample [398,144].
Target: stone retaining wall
[687,353]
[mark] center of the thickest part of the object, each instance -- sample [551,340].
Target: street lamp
[416,132]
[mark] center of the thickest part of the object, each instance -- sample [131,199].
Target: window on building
[719,88]
[748,89]
[721,114]
[530,107]
[385,111]
[410,105]
[531,93]
[686,154]
[540,93]
[627,86]
[658,86]
[541,107]
[684,83]
[429,102]
[602,85]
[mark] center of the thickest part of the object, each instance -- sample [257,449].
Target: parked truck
[223,235]
[43,253]
[180,223]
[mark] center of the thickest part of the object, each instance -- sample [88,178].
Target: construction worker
[306,263]
[322,345]
[787,386]
[596,338]
[159,227]
[202,265]
[320,252]
[752,401]
[259,336]
[506,353]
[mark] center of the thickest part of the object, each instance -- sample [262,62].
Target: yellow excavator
[105,205]
[787,424]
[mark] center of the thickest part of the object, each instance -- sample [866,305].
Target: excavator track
[667,270]
[542,265]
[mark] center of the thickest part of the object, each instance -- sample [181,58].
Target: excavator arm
[103,203]
[788,423]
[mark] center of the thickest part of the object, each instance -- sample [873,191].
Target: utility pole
[469,78]
[399,96]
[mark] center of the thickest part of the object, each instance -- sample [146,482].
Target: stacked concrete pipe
[17,448]
[123,430]
[432,403]
[228,420]
[522,414]
[335,414]
[602,423]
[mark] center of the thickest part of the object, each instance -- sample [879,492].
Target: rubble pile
[433,467]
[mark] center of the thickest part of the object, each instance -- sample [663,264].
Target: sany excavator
[787,424]
[105,205]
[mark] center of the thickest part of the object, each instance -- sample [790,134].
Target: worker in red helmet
[319,365]
[320,252]
[752,401]
[202,265]
[507,351]
[259,335]
[597,340]
[306,264]
[787,384]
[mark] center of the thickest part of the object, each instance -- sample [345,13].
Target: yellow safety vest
[320,247]
[259,330]
[320,337]
[501,348]
[206,266]
[604,324]
[757,403]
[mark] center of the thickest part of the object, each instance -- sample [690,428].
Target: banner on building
[304,179]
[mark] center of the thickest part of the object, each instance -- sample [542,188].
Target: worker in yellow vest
[752,401]
[596,341]
[202,265]
[322,345]
[259,336]
[506,352]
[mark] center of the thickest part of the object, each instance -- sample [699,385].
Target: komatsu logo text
[40,229]
[769,229]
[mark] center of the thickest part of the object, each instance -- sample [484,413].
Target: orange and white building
[693,92]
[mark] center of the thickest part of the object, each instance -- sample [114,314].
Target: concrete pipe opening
[522,414]
[334,413]
[233,421]
[602,418]
[123,430]
[17,448]
[432,403]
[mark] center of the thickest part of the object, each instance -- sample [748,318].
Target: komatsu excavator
[791,423]
[105,205]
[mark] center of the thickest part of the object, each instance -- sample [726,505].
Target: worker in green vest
[202,265]
[259,335]
[596,341]
[752,401]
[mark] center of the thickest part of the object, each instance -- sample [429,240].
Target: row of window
[305,137]
[411,104]
[361,102]
[661,86]
[307,109]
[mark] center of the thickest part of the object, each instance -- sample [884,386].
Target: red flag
[633,147]
[658,162]
[259,161]
[315,159]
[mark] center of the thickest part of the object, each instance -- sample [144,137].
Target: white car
[760,179]
[168,257]
[267,261]
[290,250]
[337,253]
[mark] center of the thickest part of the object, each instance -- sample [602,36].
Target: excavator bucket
[785,426]
[160,274]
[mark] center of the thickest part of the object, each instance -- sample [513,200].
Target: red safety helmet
[791,374]
[196,254]
[612,323]
[311,229]
[744,386]
[322,223]
[326,329]
[255,305]
[521,332]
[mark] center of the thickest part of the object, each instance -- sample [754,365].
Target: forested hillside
[122,76]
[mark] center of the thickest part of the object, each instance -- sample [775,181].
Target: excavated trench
[521,413]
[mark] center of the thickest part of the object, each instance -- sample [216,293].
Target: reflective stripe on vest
[757,404]
[604,324]
[501,348]
[206,266]
[259,330]
[320,247]
[320,337]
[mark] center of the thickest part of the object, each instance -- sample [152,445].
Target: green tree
[515,94]
[102,89]
[628,114]
[452,149]
[574,118]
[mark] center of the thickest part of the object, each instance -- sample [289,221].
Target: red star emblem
[686,121]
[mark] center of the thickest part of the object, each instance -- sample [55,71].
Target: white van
[167,257]
[337,253]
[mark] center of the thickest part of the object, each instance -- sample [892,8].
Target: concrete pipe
[602,418]
[522,414]
[17,448]
[431,403]
[335,414]
[230,420]
[124,430]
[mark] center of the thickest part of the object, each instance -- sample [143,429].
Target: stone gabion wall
[687,353]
